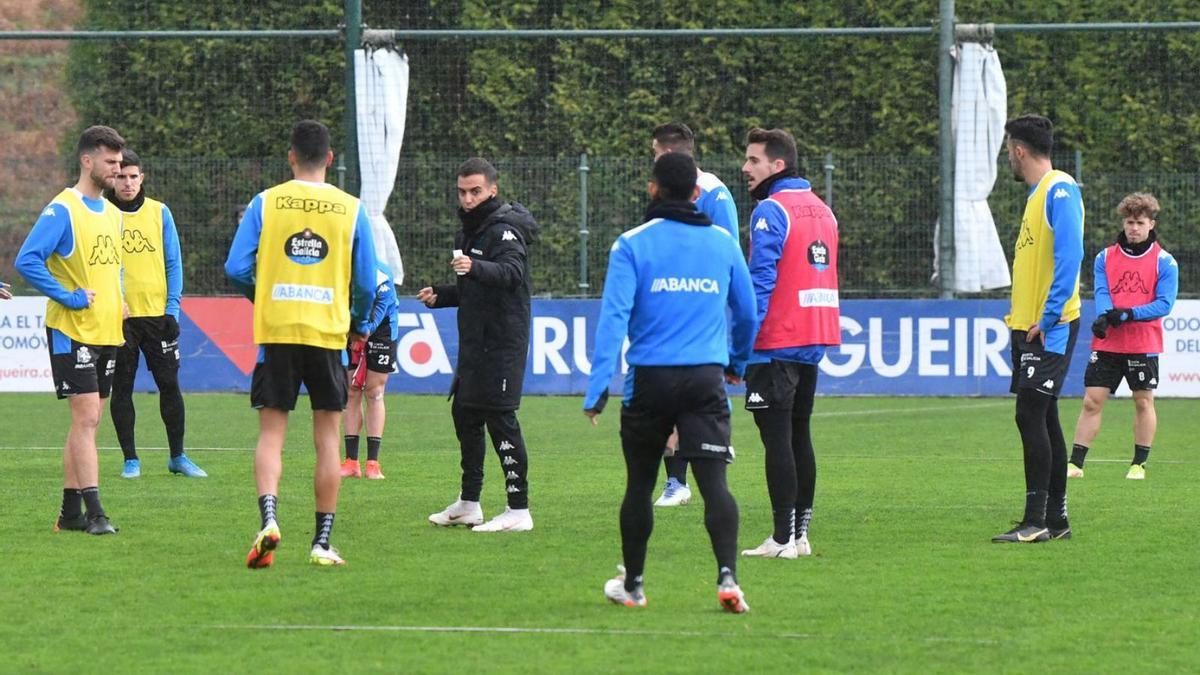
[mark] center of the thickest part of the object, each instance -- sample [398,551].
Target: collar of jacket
[767,187]
[129,206]
[475,218]
[1136,249]
[677,210]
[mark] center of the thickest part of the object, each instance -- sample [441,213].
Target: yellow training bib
[144,260]
[1033,261]
[94,263]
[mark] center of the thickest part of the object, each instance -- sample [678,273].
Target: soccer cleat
[1059,530]
[614,590]
[1023,534]
[374,472]
[262,554]
[183,465]
[132,468]
[802,545]
[325,557]
[674,494]
[1136,472]
[77,524]
[772,549]
[350,469]
[1074,471]
[511,520]
[100,525]
[458,513]
[731,597]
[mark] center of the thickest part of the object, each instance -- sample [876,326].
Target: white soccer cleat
[458,513]
[325,557]
[772,549]
[614,590]
[802,545]
[674,494]
[511,520]
[1074,471]
[731,598]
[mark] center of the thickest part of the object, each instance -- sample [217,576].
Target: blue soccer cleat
[133,468]
[185,466]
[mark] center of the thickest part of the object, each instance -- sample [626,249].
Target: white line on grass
[557,631]
[107,447]
[882,411]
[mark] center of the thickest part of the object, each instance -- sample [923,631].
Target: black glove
[172,328]
[1100,326]
[600,403]
[1117,316]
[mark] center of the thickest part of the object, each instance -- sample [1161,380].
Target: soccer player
[370,364]
[716,202]
[492,295]
[304,254]
[794,265]
[668,285]
[1136,285]
[72,256]
[1044,320]
[153,276]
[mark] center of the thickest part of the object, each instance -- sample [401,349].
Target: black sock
[351,447]
[676,468]
[775,430]
[373,448]
[1035,508]
[72,503]
[1056,510]
[1078,454]
[170,408]
[720,513]
[91,498]
[1140,454]
[725,573]
[266,508]
[324,527]
[802,526]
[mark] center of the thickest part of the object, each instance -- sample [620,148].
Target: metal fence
[210,117]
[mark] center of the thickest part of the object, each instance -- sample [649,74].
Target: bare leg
[268,455]
[354,416]
[326,479]
[1088,425]
[376,411]
[81,467]
[1145,419]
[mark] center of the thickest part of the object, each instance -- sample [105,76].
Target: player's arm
[743,306]
[384,299]
[239,264]
[1100,283]
[723,212]
[363,273]
[616,305]
[173,262]
[445,296]
[50,234]
[1065,215]
[768,234]
[1165,291]
[506,269]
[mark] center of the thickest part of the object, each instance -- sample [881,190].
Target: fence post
[1079,167]
[583,225]
[353,18]
[946,147]
[829,179]
[341,171]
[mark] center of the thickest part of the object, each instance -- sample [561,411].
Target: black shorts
[1107,369]
[154,336]
[781,385]
[690,398]
[78,368]
[1035,368]
[380,350]
[282,368]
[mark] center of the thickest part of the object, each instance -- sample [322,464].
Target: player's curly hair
[1139,204]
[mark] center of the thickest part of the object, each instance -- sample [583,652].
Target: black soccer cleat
[1059,530]
[100,525]
[1023,533]
[77,524]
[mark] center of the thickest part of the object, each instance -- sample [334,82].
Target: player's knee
[1143,404]
[375,392]
[1092,404]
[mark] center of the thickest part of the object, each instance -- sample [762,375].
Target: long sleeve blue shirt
[385,307]
[240,265]
[667,289]
[1064,213]
[173,262]
[52,234]
[716,202]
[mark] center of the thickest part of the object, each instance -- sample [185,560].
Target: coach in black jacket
[492,296]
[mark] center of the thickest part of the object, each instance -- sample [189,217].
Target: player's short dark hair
[675,176]
[310,142]
[95,136]
[478,166]
[777,144]
[675,136]
[130,158]
[1034,132]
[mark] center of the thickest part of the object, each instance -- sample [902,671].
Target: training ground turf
[903,577]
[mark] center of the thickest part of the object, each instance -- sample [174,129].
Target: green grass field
[903,577]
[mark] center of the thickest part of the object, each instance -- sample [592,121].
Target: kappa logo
[508,236]
[65,386]
[1048,384]
[754,397]
[1025,238]
[309,205]
[712,448]
[1094,357]
[1154,381]
[722,196]
[104,251]
[505,445]
[508,461]
[49,211]
[1060,193]
[513,489]
[761,224]
[511,475]
[133,241]
[1130,282]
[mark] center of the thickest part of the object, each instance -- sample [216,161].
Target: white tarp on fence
[381,99]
